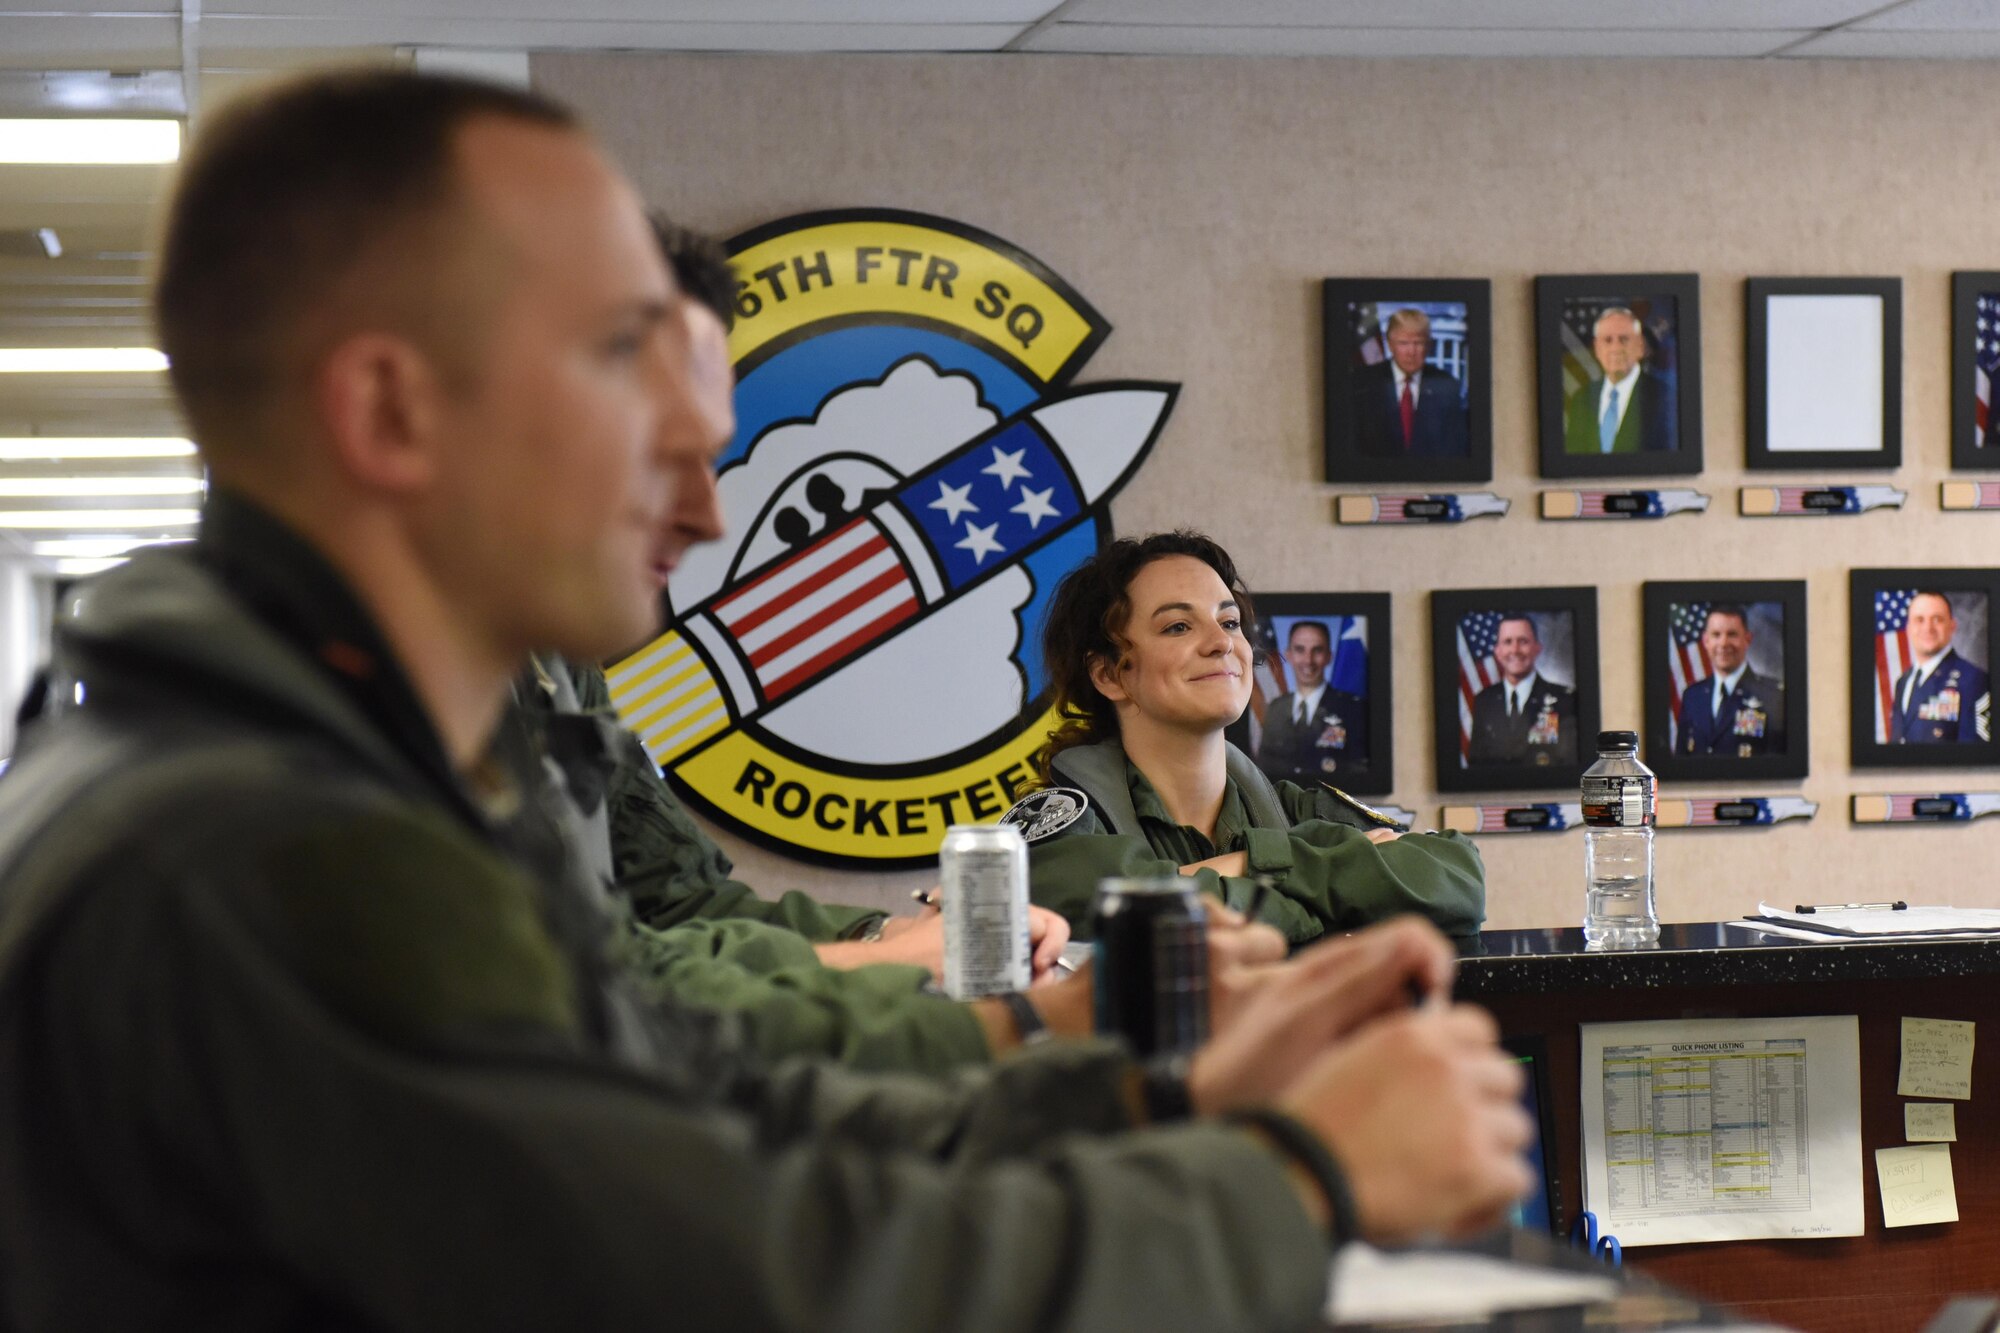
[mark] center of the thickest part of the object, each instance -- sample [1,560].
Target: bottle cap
[1617,740]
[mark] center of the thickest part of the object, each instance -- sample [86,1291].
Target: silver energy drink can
[983,877]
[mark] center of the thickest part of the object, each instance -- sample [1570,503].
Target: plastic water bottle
[1620,804]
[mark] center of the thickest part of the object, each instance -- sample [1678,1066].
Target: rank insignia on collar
[1043,814]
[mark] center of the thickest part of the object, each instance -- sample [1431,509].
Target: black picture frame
[1459,737]
[1278,613]
[1805,362]
[1764,728]
[1359,450]
[1942,732]
[1975,319]
[1663,432]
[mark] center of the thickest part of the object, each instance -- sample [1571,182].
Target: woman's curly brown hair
[1086,622]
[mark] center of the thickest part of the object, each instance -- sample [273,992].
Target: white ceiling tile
[118,42]
[1137,39]
[96,11]
[1678,15]
[825,13]
[568,34]
[1937,16]
[1853,44]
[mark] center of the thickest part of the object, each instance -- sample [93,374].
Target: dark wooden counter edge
[1664,969]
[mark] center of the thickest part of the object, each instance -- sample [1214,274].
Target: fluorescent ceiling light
[91,141]
[76,569]
[98,518]
[66,360]
[38,448]
[101,485]
[100,547]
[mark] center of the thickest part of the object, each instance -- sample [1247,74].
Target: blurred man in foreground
[306,1009]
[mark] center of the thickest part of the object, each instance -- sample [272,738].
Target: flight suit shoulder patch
[1040,815]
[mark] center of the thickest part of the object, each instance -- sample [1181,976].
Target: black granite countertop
[1506,962]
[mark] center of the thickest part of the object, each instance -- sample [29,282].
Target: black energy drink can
[1150,964]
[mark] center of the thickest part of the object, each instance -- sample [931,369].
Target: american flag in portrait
[1892,653]
[1477,633]
[1985,362]
[1687,660]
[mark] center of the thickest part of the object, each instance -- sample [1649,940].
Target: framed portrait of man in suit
[1619,374]
[1975,366]
[1823,386]
[1321,702]
[1922,644]
[1725,665]
[1408,368]
[1514,687]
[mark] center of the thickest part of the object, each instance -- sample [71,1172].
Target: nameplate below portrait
[1922,807]
[1621,504]
[1542,817]
[1957,497]
[1733,811]
[1418,507]
[1808,501]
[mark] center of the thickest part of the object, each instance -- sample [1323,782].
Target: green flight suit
[708,941]
[1312,844]
[305,1029]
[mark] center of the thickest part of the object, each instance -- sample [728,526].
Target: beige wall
[1197,203]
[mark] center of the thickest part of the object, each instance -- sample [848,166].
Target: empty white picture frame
[1825,365]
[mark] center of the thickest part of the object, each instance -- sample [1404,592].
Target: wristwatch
[1028,1024]
[1163,1083]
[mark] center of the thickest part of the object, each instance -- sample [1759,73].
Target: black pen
[1807,909]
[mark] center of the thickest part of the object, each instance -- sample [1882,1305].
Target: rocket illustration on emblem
[979,510]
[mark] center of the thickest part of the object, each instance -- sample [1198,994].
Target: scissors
[1605,1247]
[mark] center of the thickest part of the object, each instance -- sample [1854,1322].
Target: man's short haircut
[1407,317]
[1525,618]
[282,198]
[1625,311]
[1728,609]
[1949,609]
[1319,625]
[700,266]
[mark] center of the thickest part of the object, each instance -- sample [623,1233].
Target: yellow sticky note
[1916,1185]
[1937,1059]
[1930,1122]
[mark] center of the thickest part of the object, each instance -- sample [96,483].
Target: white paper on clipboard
[1723,1129]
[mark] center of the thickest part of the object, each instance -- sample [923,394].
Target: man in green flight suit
[305,1000]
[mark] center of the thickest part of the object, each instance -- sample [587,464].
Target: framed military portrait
[1922,647]
[1408,369]
[1320,710]
[1514,687]
[1975,361]
[1725,666]
[1618,374]
[1824,387]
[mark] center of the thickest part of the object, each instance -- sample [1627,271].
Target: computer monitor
[1542,1208]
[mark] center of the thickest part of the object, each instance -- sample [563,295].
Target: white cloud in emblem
[944,683]
[870,436]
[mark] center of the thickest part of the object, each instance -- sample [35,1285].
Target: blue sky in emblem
[1047,567]
[792,384]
